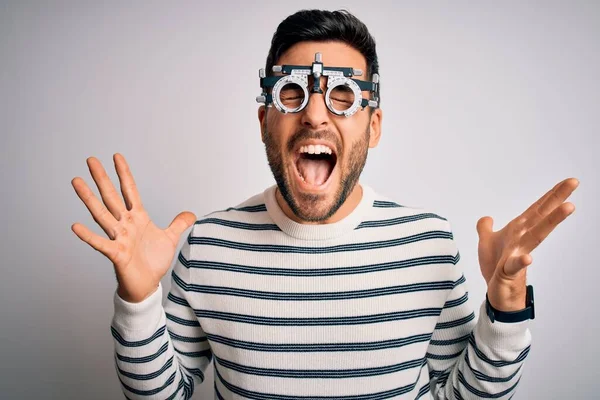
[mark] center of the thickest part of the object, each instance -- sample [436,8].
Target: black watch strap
[512,316]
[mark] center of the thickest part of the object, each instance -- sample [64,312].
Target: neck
[349,205]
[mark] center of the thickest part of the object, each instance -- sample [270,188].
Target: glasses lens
[291,95]
[341,97]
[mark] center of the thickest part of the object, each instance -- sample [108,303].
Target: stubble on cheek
[315,207]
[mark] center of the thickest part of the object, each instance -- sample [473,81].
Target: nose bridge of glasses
[312,93]
[322,84]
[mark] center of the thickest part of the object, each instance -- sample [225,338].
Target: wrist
[124,295]
[139,316]
[521,314]
[508,304]
[507,294]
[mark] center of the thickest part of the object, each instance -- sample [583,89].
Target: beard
[314,207]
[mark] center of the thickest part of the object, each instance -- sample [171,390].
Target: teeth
[316,149]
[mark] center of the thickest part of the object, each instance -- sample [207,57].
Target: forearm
[490,366]
[158,352]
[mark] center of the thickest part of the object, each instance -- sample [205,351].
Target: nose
[315,115]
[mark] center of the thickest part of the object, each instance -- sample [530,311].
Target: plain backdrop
[486,106]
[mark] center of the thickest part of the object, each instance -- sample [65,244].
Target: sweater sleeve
[160,353]
[474,359]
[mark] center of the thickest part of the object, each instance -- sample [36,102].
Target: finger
[179,224]
[562,192]
[128,186]
[109,194]
[549,201]
[100,213]
[107,247]
[536,234]
[517,263]
[485,226]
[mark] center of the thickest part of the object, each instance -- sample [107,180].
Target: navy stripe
[321,373]
[187,384]
[385,204]
[442,377]
[187,339]
[423,391]
[450,341]
[362,225]
[485,395]
[398,220]
[239,225]
[272,396]
[188,387]
[457,394]
[209,241]
[139,360]
[443,356]
[255,208]
[198,372]
[454,323]
[137,343]
[153,391]
[249,209]
[352,320]
[483,377]
[319,347]
[359,269]
[457,302]
[196,354]
[146,377]
[177,300]
[497,363]
[182,321]
[462,278]
[219,396]
[309,296]
[182,259]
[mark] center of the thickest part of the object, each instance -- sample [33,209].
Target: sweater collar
[318,231]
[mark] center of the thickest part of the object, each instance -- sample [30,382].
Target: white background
[486,106]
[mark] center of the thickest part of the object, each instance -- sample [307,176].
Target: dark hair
[322,26]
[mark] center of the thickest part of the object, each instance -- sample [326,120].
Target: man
[317,287]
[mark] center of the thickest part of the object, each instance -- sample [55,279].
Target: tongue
[314,172]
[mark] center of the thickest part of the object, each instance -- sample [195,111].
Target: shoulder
[420,219]
[248,214]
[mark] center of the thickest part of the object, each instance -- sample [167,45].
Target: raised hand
[141,252]
[505,254]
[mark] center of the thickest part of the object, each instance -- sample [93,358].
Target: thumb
[180,223]
[517,263]
[485,226]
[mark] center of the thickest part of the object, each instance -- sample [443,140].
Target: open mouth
[315,163]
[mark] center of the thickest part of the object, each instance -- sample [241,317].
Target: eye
[291,95]
[342,97]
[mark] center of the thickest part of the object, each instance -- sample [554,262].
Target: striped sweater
[374,306]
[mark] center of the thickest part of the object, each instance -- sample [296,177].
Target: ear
[375,126]
[262,115]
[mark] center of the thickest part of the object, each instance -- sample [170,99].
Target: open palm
[141,252]
[505,254]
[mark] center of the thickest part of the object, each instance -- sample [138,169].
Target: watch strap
[512,316]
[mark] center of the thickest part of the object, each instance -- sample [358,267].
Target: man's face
[315,186]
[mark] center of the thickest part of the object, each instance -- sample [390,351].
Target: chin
[313,204]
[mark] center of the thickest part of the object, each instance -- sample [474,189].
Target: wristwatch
[512,316]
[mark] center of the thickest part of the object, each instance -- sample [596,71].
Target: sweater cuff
[138,316]
[502,335]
